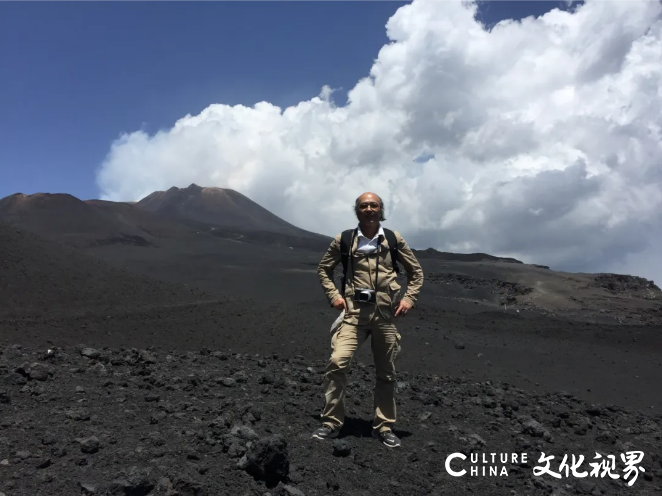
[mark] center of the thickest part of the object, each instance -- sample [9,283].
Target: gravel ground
[81,420]
[154,387]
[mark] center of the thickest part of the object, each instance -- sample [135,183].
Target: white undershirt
[366,245]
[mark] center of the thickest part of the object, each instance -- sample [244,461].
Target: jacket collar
[380,233]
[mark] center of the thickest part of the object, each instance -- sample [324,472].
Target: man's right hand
[340,304]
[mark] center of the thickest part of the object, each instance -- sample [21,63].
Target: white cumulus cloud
[544,139]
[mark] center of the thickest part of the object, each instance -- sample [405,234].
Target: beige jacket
[363,276]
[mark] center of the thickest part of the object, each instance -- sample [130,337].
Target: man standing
[370,299]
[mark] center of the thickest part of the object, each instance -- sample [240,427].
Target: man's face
[368,210]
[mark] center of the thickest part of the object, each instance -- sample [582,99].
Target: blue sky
[74,76]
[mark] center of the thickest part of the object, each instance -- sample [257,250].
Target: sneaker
[387,438]
[325,432]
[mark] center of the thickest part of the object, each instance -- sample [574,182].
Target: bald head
[368,197]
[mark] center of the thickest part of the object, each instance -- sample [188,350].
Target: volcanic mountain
[175,213]
[80,223]
[230,213]
[62,216]
[150,224]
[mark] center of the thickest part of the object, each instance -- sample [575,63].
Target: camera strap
[351,260]
[379,246]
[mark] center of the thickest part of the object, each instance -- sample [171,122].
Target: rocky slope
[38,275]
[63,217]
[80,420]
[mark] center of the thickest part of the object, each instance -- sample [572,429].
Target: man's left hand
[403,307]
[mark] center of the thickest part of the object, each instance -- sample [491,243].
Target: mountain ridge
[221,207]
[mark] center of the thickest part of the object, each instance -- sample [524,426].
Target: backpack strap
[346,242]
[393,246]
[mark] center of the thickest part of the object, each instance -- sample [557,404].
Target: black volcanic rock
[134,481]
[267,459]
[462,257]
[89,445]
[341,447]
[507,292]
[205,443]
[621,283]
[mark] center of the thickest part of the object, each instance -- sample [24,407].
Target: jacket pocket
[394,292]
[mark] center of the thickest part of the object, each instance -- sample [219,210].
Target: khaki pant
[346,341]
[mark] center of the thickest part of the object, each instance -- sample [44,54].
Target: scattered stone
[533,428]
[89,445]
[164,485]
[42,463]
[98,369]
[39,372]
[582,426]
[265,379]
[475,441]
[237,449]
[78,414]
[267,460]
[87,488]
[401,386]
[341,448]
[206,430]
[146,356]
[287,490]
[333,485]
[90,353]
[245,433]
[184,486]
[606,437]
[48,439]
[133,482]
[157,417]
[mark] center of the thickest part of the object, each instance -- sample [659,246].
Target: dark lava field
[128,421]
[193,365]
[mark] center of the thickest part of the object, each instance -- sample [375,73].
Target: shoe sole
[332,436]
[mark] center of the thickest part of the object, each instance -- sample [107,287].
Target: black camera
[365,296]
